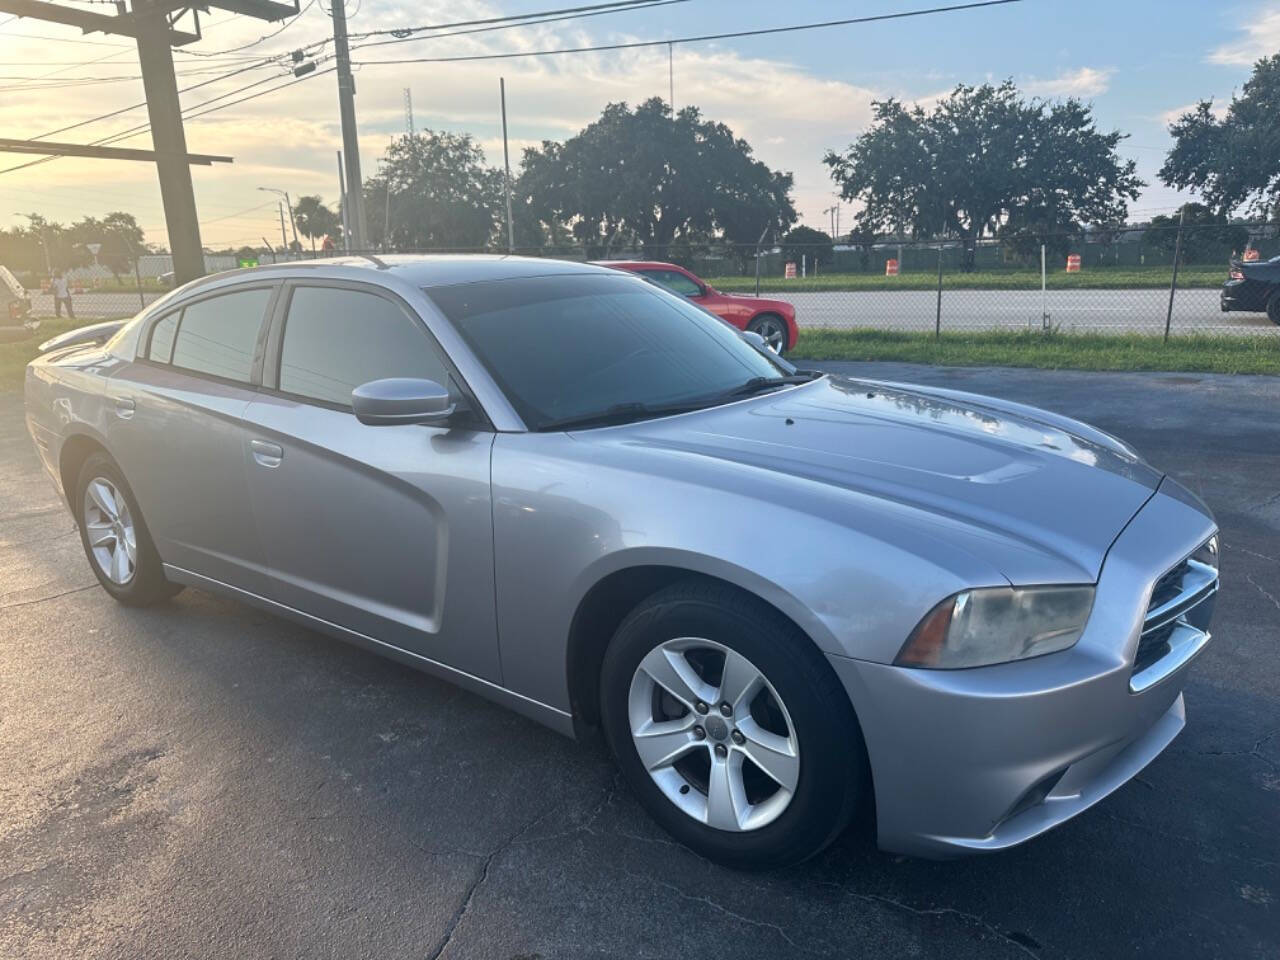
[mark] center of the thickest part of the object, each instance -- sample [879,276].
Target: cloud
[1219,110]
[1082,82]
[1261,39]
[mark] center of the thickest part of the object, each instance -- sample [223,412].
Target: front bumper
[986,758]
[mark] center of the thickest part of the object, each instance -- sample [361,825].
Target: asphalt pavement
[203,780]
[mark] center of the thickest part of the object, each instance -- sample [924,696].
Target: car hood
[759,303]
[1013,482]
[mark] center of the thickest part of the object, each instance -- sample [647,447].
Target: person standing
[61,295]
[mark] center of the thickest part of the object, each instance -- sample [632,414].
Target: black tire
[833,771]
[148,585]
[1273,308]
[769,325]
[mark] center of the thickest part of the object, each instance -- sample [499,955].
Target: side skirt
[559,720]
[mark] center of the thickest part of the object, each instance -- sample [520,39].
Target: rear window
[218,336]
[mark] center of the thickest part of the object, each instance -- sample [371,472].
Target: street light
[289,205]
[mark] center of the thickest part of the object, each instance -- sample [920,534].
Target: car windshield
[587,350]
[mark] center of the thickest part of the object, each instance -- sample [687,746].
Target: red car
[775,320]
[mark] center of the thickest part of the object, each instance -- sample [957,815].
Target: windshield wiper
[632,411]
[757,384]
[621,413]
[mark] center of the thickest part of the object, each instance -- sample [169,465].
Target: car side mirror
[395,400]
[759,344]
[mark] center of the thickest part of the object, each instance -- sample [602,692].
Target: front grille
[1173,609]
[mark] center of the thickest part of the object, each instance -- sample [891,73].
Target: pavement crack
[481,876]
[1259,588]
[40,540]
[54,596]
[721,908]
[1018,940]
[1252,553]
[1212,850]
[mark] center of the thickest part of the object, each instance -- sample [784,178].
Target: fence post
[937,323]
[759,243]
[137,275]
[1173,285]
[1044,296]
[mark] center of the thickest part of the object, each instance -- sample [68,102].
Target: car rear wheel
[115,538]
[730,727]
[774,331]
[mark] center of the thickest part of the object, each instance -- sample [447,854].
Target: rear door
[177,432]
[386,530]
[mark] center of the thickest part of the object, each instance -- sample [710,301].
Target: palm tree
[314,219]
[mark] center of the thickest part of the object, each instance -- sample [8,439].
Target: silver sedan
[787,599]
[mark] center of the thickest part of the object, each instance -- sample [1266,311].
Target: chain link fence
[1163,281]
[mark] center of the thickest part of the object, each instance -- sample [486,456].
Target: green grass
[1096,278]
[1054,351]
[15,356]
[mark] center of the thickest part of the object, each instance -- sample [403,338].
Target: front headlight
[1208,552]
[980,627]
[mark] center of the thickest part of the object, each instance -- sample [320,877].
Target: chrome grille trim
[1168,641]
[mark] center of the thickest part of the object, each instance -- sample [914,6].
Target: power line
[617,6]
[638,5]
[140,105]
[767,31]
[143,128]
[245,46]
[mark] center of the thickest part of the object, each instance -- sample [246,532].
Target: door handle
[125,408]
[267,454]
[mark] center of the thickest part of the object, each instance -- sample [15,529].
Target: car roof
[429,270]
[637,264]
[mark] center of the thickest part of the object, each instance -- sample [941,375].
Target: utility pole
[671,80]
[284,239]
[164,112]
[506,164]
[152,25]
[350,140]
[342,207]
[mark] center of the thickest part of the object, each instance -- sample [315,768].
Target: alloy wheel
[110,530]
[773,333]
[713,734]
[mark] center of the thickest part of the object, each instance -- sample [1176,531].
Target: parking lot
[202,779]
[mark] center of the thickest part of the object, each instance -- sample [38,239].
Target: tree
[119,238]
[814,245]
[985,161]
[1233,162]
[442,194]
[1206,236]
[314,220]
[644,177]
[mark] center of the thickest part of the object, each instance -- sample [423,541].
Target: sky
[792,96]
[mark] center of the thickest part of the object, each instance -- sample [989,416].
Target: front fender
[569,512]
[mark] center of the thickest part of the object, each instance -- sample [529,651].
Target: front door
[383,530]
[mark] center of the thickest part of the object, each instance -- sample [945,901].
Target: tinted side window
[161,347]
[218,336]
[335,340]
[675,281]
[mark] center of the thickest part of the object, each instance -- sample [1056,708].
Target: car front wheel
[773,330]
[730,727]
[1273,308]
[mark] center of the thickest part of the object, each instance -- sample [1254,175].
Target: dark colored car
[774,320]
[1253,287]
